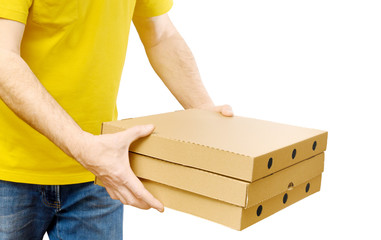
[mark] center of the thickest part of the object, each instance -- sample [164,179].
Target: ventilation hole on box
[259,210]
[285,197]
[308,187]
[314,146]
[270,163]
[293,154]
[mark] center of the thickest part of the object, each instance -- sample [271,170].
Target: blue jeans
[79,211]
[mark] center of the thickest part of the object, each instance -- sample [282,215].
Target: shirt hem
[13,15]
[46,179]
[156,12]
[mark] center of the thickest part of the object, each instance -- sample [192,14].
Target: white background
[308,63]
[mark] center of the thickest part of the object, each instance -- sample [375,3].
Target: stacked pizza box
[234,171]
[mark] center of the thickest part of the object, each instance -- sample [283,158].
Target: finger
[137,188]
[127,198]
[121,193]
[130,199]
[139,131]
[226,110]
[112,194]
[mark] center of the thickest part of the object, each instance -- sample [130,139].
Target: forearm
[173,61]
[23,93]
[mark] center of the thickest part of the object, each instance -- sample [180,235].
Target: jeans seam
[58,198]
[56,204]
[57,226]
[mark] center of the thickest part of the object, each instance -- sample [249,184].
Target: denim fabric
[78,211]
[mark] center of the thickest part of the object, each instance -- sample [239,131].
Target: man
[60,66]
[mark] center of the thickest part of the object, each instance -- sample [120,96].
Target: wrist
[78,148]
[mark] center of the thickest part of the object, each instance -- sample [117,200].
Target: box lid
[238,147]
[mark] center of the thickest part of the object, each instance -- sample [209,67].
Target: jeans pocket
[54,13]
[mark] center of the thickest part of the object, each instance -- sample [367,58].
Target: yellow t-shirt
[77,49]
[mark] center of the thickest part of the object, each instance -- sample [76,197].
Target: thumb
[226,110]
[139,131]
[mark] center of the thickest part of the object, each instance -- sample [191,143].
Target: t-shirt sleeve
[152,8]
[16,10]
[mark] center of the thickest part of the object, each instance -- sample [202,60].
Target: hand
[106,156]
[225,110]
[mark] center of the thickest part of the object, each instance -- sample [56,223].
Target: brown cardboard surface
[223,188]
[238,147]
[224,213]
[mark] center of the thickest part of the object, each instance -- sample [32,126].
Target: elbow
[8,60]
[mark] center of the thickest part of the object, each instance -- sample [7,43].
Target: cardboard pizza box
[228,214]
[242,148]
[226,189]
